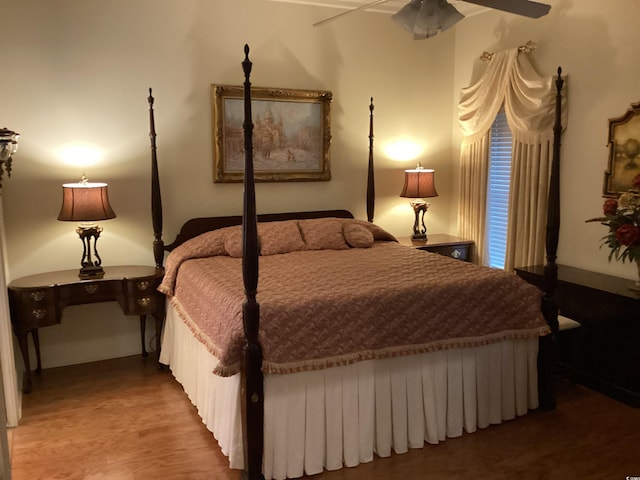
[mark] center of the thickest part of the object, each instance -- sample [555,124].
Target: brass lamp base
[91,272]
[90,268]
[420,207]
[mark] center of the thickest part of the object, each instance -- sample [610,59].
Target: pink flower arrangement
[622,217]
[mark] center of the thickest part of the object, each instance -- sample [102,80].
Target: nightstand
[603,353]
[446,245]
[38,301]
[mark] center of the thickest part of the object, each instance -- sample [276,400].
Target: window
[498,190]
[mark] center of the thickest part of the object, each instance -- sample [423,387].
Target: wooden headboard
[195,226]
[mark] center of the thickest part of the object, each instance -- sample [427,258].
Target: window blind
[500,151]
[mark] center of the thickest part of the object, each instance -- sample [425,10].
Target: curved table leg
[27,386]
[36,344]
[159,320]
[143,324]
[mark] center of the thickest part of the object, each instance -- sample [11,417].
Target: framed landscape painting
[291,134]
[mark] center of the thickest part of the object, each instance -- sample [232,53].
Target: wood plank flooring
[122,419]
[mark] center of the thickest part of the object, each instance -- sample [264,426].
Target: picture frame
[624,152]
[291,134]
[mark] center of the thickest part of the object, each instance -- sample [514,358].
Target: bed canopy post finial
[156,199]
[371,186]
[253,405]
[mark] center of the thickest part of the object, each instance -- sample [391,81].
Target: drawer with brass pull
[141,295]
[443,244]
[88,291]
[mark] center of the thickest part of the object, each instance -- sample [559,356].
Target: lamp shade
[419,183]
[85,202]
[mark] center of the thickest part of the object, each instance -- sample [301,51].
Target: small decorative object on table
[622,216]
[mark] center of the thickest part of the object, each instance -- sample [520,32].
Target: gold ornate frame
[624,152]
[291,134]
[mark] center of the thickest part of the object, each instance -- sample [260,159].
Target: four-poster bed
[324,386]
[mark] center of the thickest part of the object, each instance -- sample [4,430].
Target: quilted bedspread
[326,307]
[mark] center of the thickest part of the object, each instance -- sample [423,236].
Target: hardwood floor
[122,419]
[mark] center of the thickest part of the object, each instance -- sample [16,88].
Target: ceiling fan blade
[346,12]
[525,8]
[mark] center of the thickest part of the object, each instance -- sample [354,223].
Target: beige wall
[79,73]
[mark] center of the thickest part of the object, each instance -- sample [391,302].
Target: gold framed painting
[291,134]
[624,152]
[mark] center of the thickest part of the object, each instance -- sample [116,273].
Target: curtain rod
[527,48]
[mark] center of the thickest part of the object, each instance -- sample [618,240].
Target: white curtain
[9,376]
[529,102]
[474,177]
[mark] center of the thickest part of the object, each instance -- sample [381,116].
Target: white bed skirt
[342,416]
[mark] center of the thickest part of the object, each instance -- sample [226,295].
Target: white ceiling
[388,7]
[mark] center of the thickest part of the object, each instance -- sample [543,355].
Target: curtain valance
[528,98]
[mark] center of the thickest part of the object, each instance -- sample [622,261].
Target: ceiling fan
[425,18]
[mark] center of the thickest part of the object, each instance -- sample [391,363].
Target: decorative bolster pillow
[323,234]
[358,236]
[379,233]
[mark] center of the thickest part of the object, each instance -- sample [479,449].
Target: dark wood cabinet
[447,245]
[605,351]
[39,300]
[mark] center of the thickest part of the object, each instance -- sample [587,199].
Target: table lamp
[419,184]
[87,203]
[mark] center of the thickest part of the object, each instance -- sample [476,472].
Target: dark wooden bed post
[156,199]
[549,302]
[553,213]
[253,419]
[371,186]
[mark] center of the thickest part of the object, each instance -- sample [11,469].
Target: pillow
[357,236]
[233,242]
[204,245]
[323,234]
[379,234]
[279,237]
